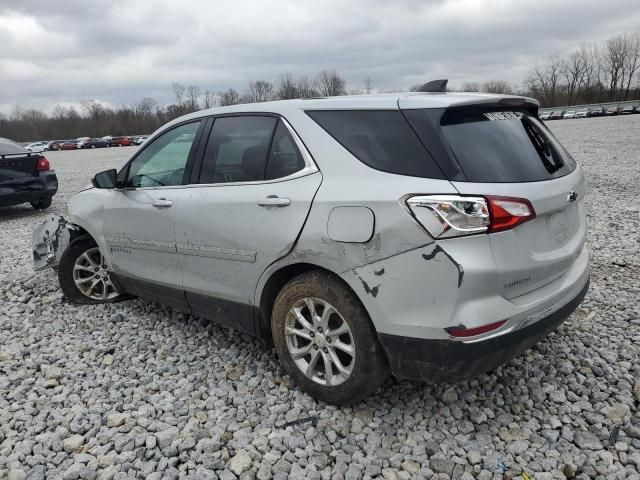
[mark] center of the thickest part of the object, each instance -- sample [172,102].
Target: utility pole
[367,85]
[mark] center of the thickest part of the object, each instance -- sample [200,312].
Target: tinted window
[504,146]
[285,158]
[237,149]
[380,139]
[163,161]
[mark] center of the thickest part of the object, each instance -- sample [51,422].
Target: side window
[381,139]
[163,161]
[285,158]
[237,150]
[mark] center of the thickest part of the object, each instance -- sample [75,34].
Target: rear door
[255,190]
[509,152]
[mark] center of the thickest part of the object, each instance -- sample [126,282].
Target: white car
[582,113]
[569,114]
[37,147]
[545,116]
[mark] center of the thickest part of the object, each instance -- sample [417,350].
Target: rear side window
[284,159]
[381,139]
[503,146]
[238,149]
[8,147]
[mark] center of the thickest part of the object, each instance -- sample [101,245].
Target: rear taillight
[42,165]
[447,216]
[507,212]
[462,332]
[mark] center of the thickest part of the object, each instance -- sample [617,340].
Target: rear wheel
[325,340]
[83,275]
[42,203]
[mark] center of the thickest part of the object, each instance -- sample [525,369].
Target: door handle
[274,201]
[161,203]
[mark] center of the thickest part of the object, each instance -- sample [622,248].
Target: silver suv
[432,236]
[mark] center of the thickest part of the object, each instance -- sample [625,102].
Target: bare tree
[286,88]
[497,86]
[470,86]
[544,77]
[632,61]
[305,87]
[208,99]
[259,91]
[573,70]
[193,97]
[330,84]
[228,97]
[178,92]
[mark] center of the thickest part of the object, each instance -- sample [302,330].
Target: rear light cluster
[42,165]
[447,216]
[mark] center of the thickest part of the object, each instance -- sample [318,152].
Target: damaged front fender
[49,240]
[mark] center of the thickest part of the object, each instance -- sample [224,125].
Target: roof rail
[434,86]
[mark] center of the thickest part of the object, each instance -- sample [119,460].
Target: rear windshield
[503,146]
[381,139]
[8,147]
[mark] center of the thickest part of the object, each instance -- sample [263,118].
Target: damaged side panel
[419,292]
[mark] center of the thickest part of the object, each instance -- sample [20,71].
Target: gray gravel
[136,390]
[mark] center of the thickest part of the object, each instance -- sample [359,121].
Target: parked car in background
[327,226]
[556,115]
[569,114]
[612,111]
[25,176]
[37,147]
[629,109]
[584,113]
[95,143]
[70,145]
[56,144]
[108,139]
[121,141]
[596,111]
[545,116]
[139,140]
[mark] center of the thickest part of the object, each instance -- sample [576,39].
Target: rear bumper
[449,361]
[28,189]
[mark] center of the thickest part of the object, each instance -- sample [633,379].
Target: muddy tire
[325,340]
[82,275]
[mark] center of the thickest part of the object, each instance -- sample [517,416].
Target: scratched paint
[438,249]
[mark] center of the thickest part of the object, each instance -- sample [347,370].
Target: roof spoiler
[434,86]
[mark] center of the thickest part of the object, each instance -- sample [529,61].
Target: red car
[70,145]
[121,141]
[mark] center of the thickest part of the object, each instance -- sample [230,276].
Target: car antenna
[434,86]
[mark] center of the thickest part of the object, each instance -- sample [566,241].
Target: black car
[95,143]
[596,112]
[25,176]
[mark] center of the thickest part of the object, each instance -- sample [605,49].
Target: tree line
[594,73]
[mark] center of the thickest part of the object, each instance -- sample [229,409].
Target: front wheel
[325,340]
[83,274]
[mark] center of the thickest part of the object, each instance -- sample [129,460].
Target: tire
[70,279]
[42,203]
[361,374]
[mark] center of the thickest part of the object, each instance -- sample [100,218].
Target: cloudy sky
[121,51]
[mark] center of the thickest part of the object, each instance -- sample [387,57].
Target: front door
[256,188]
[139,218]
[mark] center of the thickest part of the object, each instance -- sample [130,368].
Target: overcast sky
[121,51]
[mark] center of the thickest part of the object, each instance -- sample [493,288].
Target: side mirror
[106,179]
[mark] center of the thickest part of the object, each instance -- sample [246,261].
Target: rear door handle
[161,203]
[274,201]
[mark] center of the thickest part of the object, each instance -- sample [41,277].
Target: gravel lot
[136,390]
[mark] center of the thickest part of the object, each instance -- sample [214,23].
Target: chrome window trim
[309,168]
